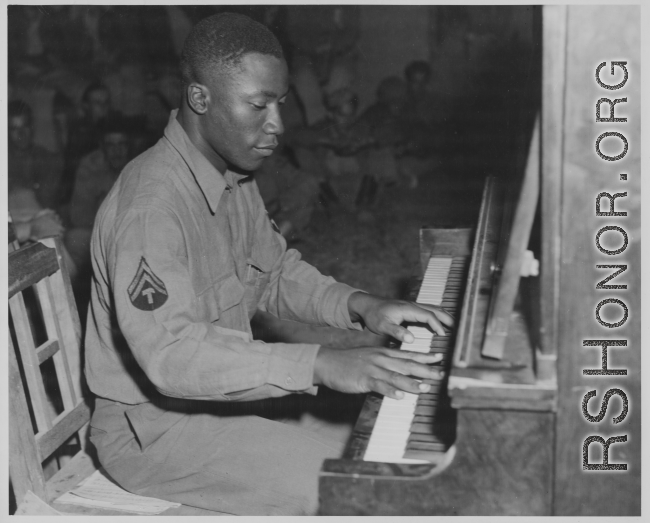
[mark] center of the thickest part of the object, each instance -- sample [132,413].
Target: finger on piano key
[425,358]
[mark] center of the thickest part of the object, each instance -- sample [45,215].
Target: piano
[502,432]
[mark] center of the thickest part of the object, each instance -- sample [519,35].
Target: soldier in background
[332,148]
[323,40]
[84,133]
[30,165]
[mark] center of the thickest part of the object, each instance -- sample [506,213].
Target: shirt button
[289,381]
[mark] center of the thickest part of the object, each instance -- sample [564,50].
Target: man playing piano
[183,255]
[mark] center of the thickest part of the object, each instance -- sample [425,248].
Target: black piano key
[428,396]
[427,455]
[427,403]
[425,410]
[424,437]
[421,428]
[425,446]
[426,419]
[421,446]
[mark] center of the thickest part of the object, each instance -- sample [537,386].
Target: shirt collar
[209,179]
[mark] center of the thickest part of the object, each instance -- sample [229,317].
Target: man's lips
[266,151]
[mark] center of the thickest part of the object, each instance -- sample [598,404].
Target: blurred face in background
[418,83]
[98,105]
[345,114]
[20,132]
[117,149]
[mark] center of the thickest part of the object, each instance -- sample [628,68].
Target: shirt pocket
[258,273]
[220,296]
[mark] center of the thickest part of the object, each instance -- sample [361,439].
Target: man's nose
[273,124]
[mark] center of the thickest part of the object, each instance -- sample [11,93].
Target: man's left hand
[383,316]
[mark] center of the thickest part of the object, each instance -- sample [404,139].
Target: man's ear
[198,97]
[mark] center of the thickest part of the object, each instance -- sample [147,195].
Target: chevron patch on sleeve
[147,292]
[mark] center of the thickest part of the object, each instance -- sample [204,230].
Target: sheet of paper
[32,505]
[99,491]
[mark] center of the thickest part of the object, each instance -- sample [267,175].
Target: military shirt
[183,256]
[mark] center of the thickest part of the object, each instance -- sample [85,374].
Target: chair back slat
[66,311]
[64,427]
[31,367]
[29,265]
[24,460]
[47,350]
[53,329]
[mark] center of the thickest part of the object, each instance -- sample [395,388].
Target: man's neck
[189,123]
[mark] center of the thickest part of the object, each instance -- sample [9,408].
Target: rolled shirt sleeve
[170,329]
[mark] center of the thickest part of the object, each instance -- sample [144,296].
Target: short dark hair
[220,41]
[19,108]
[417,67]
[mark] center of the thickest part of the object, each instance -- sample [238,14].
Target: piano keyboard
[404,431]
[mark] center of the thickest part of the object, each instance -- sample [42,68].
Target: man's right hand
[389,372]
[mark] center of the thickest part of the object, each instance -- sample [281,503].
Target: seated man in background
[31,166]
[33,178]
[423,115]
[84,133]
[183,256]
[384,122]
[94,179]
[421,103]
[332,146]
[323,41]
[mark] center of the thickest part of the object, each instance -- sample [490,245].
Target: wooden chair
[37,430]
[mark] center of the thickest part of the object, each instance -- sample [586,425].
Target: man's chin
[251,165]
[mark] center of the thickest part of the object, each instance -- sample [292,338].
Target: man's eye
[259,107]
